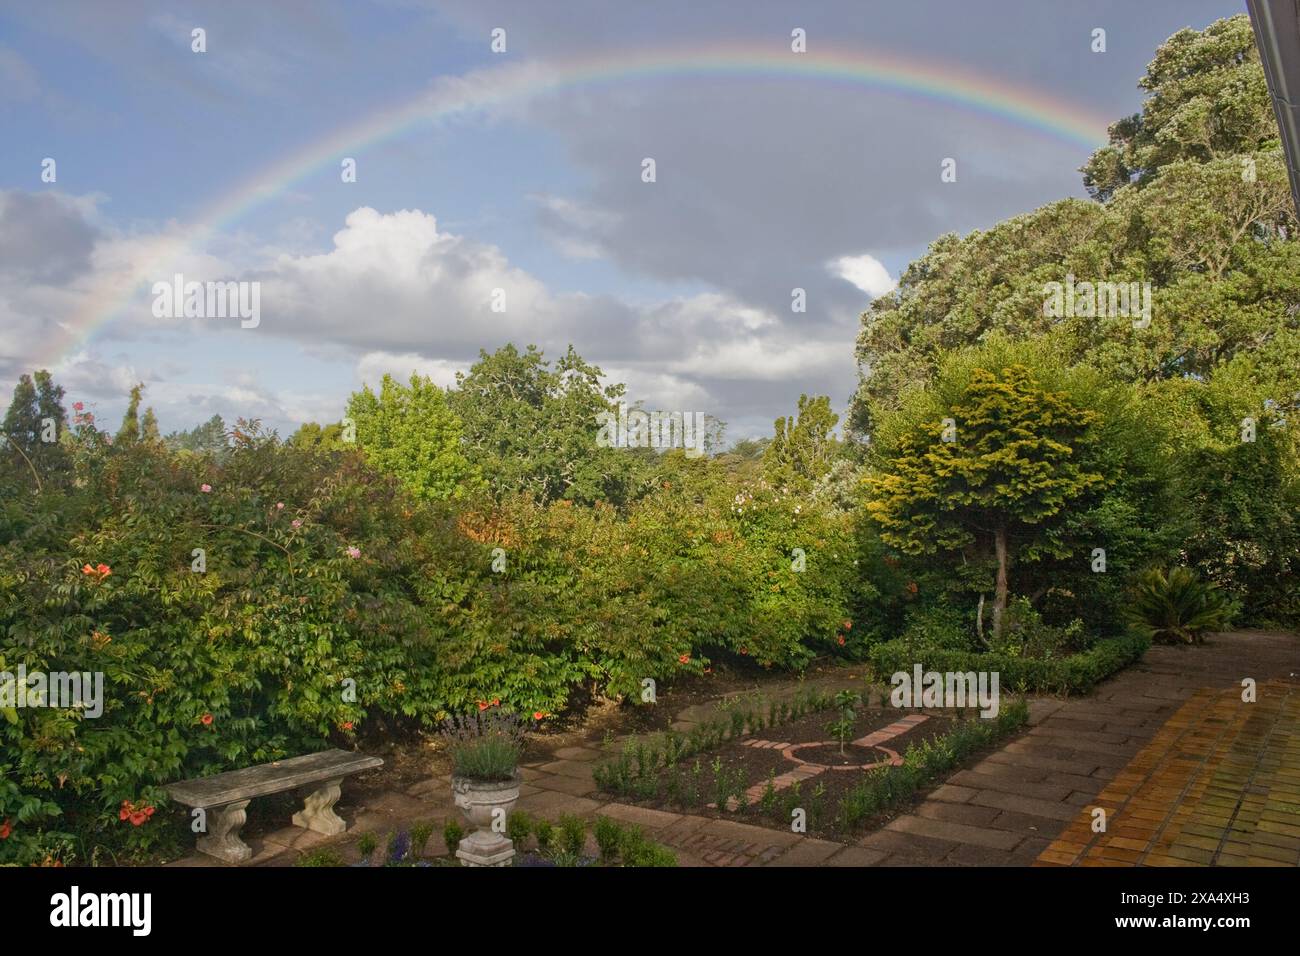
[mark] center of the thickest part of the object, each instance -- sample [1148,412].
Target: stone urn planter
[485,803]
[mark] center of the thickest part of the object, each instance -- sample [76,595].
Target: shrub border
[1076,674]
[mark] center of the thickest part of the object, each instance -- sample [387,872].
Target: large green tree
[1207,98]
[411,431]
[33,429]
[209,438]
[1199,209]
[531,426]
[803,447]
[129,432]
[990,458]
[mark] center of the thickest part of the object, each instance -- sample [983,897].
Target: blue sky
[679,288]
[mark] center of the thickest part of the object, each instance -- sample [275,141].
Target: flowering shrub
[281,598]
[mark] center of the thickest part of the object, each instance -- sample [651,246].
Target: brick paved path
[1188,775]
[1007,809]
[1218,785]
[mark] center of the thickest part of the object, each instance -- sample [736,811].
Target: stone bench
[224,797]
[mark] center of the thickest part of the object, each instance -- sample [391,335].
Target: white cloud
[866,272]
[395,293]
[373,366]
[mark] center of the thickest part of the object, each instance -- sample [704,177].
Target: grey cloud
[43,238]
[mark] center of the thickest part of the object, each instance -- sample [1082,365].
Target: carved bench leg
[318,808]
[222,839]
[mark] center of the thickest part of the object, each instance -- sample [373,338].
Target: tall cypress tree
[129,433]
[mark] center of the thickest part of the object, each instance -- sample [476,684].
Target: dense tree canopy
[802,448]
[531,426]
[989,458]
[410,431]
[1206,99]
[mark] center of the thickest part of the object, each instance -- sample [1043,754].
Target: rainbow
[491,88]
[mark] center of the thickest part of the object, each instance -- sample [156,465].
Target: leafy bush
[1177,607]
[573,834]
[420,834]
[452,834]
[938,627]
[545,833]
[366,845]
[1027,636]
[1073,674]
[518,827]
[637,850]
[609,836]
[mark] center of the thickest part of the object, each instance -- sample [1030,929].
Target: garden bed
[791,772]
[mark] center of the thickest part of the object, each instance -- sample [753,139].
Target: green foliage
[210,438]
[27,459]
[1206,98]
[452,834]
[802,449]
[1028,636]
[1072,674]
[842,727]
[410,431]
[1243,511]
[609,837]
[518,827]
[989,459]
[323,856]
[129,432]
[311,436]
[420,834]
[1010,462]
[149,426]
[545,834]
[531,428]
[367,844]
[573,834]
[637,850]
[938,626]
[1177,607]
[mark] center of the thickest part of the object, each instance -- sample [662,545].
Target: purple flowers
[399,847]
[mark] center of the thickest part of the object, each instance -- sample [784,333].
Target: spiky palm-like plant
[1178,607]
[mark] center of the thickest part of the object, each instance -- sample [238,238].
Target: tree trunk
[1000,594]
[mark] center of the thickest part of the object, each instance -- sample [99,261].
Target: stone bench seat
[223,798]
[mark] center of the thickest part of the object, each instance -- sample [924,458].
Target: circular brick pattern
[893,760]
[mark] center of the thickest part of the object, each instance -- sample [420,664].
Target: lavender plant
[486,746]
